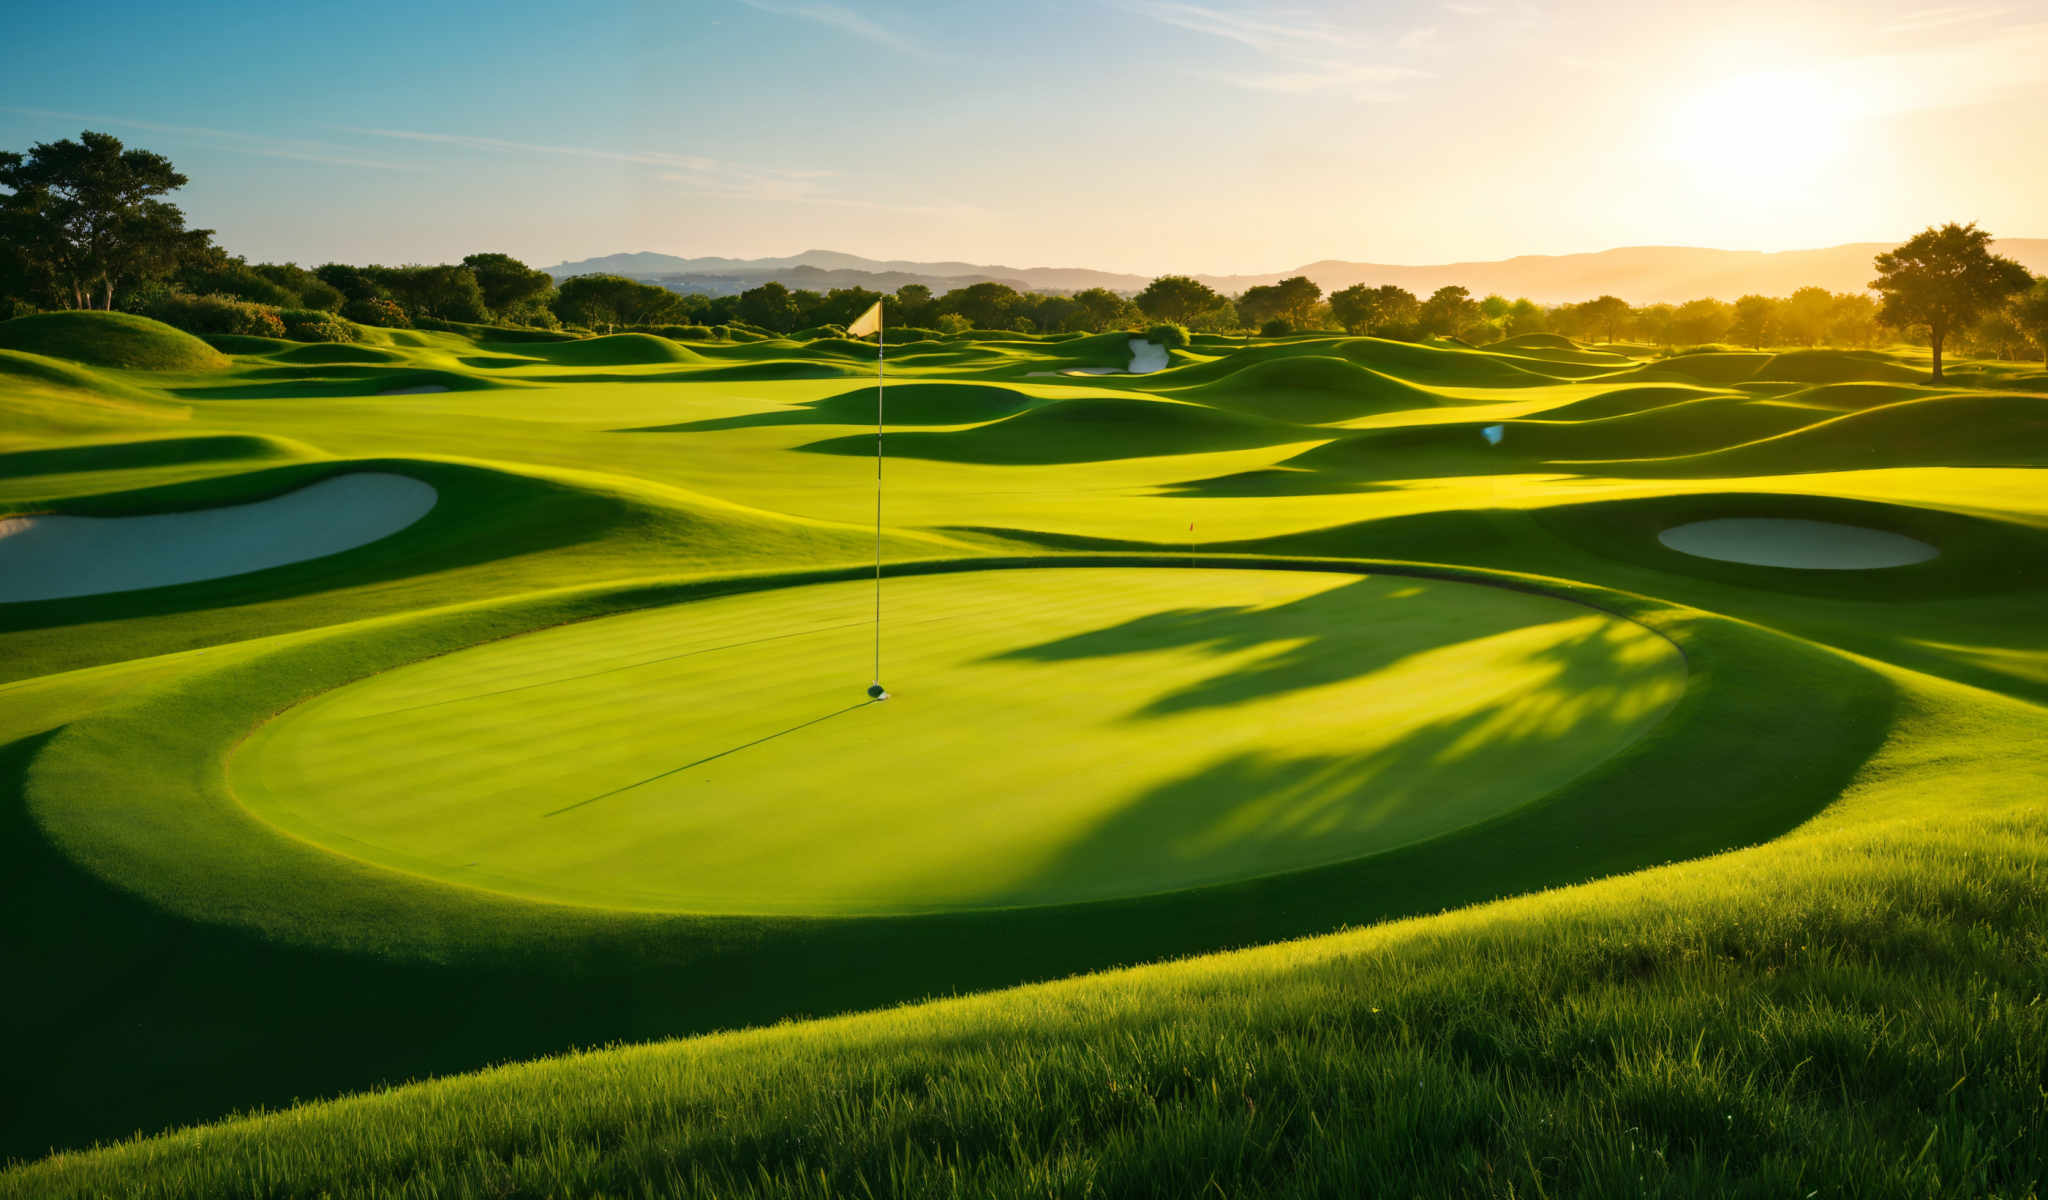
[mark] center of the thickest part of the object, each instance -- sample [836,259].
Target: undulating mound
[153,452]
[1836,366]
[110,339]
[1625,400]
[1712,367]
[1087,429]
[1552,348]
[48,557]
[1855,397]
[614,350]
[1797,543]
[1971,429]
[1449,365]
[335,352]
[773,369]
[1310,389]
[906,404]
[21,371]
[1687,427]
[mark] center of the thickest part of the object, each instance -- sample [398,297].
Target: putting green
[1057,735]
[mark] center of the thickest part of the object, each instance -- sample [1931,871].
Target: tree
[87,218]
[1806,314]
[912,305]
[1100,310]
[1699,321]
[1940,279]
[1448,311]
[446,293]
[1997,335]
[770,306]
[611,300]
[1756,319]
[2030,313]
[843,306]
[1526,316]
[985,305]
[508,285]
[1297,296]
[1176,298]
[1653,321]
[1852,319]
[1605,313]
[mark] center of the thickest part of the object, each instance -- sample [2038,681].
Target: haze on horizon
[1130,135]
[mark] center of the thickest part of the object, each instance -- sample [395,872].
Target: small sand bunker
[1146,357]
[417,389]
[1791,542]
[52,557]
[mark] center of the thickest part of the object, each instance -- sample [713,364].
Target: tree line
[85,224]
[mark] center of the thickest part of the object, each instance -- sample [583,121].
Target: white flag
[867,323]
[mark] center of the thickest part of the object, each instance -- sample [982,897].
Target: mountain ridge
[1640,274]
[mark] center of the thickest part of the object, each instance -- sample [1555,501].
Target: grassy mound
[1688,427]
[1959,430]
[335,352]
[108,339]
[1451,365]
[924,404]
[615,350]
[155,452]
[1716,368]
[1088,429]
[1623,401]
[1310,389]
[1836,366]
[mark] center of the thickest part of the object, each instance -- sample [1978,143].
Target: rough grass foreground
[1856,1009]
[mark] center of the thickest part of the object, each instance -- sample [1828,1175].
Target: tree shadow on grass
[1328,637]
[1257,813]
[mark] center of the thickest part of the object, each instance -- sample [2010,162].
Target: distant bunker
[1797,543]
[51,557]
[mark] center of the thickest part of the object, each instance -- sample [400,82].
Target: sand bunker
[1790,542]
[1145,359]
[51,557]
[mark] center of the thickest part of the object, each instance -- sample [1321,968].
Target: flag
[867,323]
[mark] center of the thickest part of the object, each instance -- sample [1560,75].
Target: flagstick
[881,340]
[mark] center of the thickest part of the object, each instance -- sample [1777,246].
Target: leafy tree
[1606,313]
[1653,321]
[87,220]
[1297,296]
[771,306]
[1100,310]
[1176,299]
[1699,321]
[913,306]
[985,305]
[1852,319]
[1526,316]
[353,283]
[843,305]
[1356,308]
[611,300]
[508,285]
[1941,279]
[1259,306]
[2030,313]
[1448,311]
[1806,314]
[1755,320]
[1495,307]
[214,272]
[446,293]
[1997,335]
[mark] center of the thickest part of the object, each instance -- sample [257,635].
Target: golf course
[442,764]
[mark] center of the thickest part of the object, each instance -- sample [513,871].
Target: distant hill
[1641,274]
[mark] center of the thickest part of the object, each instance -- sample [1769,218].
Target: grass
[109,339]
[1523,889]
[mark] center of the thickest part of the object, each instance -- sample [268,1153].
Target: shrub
[376,310]
[950,323]
[314,325]
[12,307]
[215,314]
[1277,328]
[818,331]
[1169,335]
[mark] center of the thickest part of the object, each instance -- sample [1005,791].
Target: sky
[1130,135]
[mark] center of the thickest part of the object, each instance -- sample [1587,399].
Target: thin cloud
[1305,54]
[1944,17]
[845,20]
[291,149]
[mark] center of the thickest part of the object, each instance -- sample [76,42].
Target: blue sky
[1139,135]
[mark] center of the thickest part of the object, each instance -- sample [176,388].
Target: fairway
[1056,735]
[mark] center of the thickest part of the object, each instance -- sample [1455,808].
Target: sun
[1780,126]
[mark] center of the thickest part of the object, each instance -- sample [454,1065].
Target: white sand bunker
[51,557]
[1146,357]
[1790,542]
